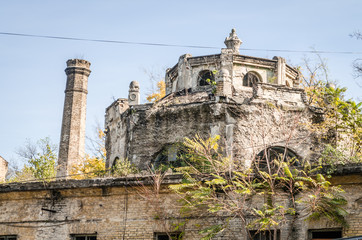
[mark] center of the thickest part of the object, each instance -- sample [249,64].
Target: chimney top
[78,63]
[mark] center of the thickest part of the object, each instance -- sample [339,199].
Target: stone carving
[233,42]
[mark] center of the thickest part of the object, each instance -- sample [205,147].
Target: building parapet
[141,180]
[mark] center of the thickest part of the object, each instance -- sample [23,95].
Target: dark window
[264,235]
[169,236]
[325,234]
[84,237]
[276,153]
[250,79]
[205,78]
[11,237]
[170,156]
[115,162]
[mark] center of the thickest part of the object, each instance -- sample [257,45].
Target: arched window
[205,77]
[250,79]
[115,162]
[279,153]
[169,156]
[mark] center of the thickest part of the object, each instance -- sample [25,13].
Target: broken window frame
[204,75]
[263,235]
[276,152]
[251,78]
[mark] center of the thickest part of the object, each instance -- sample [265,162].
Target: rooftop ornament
[233,42]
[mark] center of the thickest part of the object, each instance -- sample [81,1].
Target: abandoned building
[253,104]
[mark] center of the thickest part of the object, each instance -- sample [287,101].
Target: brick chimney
[72,138]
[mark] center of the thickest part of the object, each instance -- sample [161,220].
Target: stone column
[281,70]
[224,76]
[184,73]
[72,138]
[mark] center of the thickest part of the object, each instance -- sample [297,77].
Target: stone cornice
[77,70]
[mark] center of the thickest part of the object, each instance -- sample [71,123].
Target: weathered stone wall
[110,212]
[270,115]
[185,74]
[269,110]
[127,209]
[188,71]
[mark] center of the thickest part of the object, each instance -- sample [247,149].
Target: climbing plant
[263,198]
[40,161]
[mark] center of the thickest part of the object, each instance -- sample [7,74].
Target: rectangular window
[12,237]
[84,237]
[264,235]
[325,234]
[169,236]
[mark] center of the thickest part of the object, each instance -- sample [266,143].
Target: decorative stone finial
[134,86]
[233,42]
[134,93]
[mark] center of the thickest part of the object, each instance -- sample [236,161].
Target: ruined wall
[116,138]
[186,73]
[110,209]
[270,116]
[123,209]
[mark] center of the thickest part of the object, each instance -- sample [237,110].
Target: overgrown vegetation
[159,93]
[273,196]
[40,161]
[340,128]
[123,167]
[95,165]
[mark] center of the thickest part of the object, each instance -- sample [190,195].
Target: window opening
[169,236]
[205,78]
[276,153]
[325,234]
[84,237]
[170,156]
[8,237]
[264,235]
[250,79]
[115,162]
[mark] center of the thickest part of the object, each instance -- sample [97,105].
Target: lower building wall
[122,212]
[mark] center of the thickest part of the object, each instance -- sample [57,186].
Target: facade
[254,104]
[235,96]
[121,208]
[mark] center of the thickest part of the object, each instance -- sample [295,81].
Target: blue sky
[32,79]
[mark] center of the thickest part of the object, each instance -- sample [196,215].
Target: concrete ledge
[86,183]
[341,170]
